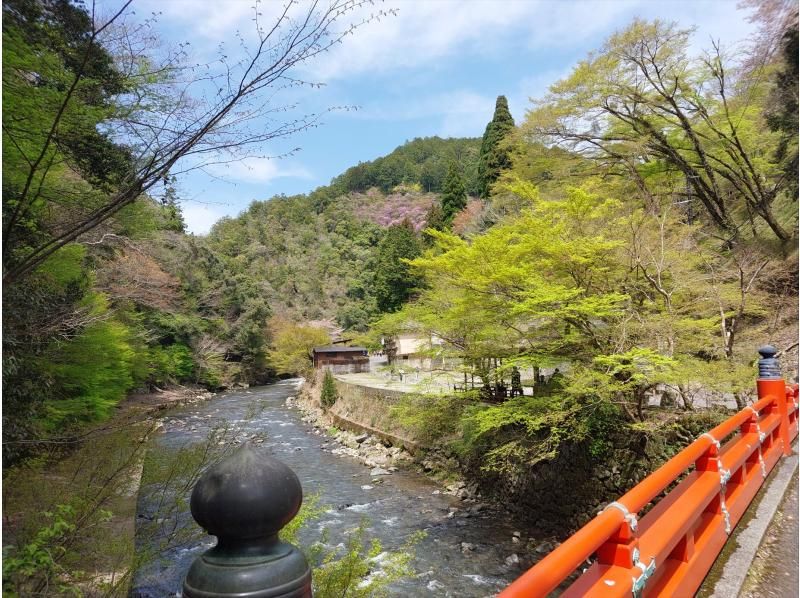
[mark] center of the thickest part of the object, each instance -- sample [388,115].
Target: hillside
[314,256]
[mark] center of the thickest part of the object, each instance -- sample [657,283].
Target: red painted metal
[670,550]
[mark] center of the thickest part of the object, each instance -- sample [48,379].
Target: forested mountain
[319,256]
[421,161]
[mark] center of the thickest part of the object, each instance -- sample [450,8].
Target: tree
[161,118]
[328,394]
[454,198]
[292,344]
[494,156]
[642,108]
[631,299]
[394,282]
[435,217]
[782,109]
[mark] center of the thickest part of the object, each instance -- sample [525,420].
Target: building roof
[339,349]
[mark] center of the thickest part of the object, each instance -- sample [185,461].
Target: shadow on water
[394,508]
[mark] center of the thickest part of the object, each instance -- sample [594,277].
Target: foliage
[394,282]
[782,109]
[172,364]
[642,108]
[631,300]
[93,373]
[328,394]
[40,556]
[153,116]
[422,161]
[454,198]
[357,568]
[292,345]
[432,419]
[495,155]
[482,295]
[67,516]
[361,569]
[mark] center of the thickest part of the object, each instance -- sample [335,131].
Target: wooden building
[341,360]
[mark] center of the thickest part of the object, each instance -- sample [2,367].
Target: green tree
[394,282]
[328,394]
[494,156]
[292,344]
[643,108]
[782,108]
[435,218]
[152,108]
[454,198]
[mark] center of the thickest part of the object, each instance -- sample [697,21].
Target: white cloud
[200,218]
[429,34]
[258,170]
[208,19]
[424,32]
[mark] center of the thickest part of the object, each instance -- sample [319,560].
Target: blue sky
[435,68]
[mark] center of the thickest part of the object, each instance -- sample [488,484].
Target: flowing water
[394,509]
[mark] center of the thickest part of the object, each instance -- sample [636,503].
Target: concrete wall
[367,409]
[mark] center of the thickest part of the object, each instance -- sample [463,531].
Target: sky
[434,67]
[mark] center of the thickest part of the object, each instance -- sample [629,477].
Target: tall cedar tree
[435,218]
[394,281]
[454,197]
[493,157]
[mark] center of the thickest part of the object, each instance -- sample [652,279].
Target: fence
[671,549]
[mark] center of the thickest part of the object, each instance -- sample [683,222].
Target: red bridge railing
[671,549]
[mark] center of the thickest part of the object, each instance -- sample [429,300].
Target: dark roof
[339,349]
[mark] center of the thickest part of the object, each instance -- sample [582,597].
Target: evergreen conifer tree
[435,218]
[394,281]
[454,198]
[493,157]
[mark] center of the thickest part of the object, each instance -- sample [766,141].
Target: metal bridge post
[770,383]
[245,500]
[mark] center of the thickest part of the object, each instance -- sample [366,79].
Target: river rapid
[393,509]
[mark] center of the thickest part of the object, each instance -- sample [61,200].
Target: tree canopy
[677,125]
[454,197]
[494,155]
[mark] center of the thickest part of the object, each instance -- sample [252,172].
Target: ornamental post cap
[246,495]
[245,500]
[767,351]
[769,368]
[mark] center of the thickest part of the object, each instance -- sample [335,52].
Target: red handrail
[669,552]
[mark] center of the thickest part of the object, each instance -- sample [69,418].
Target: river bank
[69,516]
[469,549]
[378,449]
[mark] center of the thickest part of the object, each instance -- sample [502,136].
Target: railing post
[245,500]
[770,383]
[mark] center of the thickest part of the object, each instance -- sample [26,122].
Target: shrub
[328,394]
[170,364]
[431,418]
[92,373]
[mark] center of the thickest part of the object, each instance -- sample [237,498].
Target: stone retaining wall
[367,409]
[356,392]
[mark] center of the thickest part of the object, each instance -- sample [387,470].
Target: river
[394,509]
